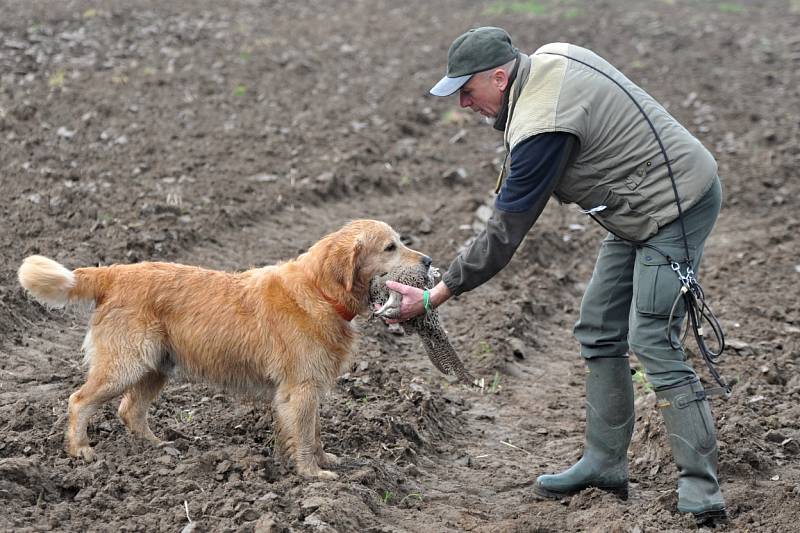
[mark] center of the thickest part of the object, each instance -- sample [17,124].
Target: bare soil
[234,134]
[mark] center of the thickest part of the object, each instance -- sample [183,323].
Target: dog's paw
[329,459]
[84,452]
[317,472]
[327,475]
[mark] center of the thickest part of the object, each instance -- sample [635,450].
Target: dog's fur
[279,331]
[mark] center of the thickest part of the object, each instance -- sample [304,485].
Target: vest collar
[521,70]
[502,115]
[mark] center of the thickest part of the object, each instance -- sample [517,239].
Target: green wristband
[426,300]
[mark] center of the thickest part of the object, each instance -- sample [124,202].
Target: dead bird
[427,326]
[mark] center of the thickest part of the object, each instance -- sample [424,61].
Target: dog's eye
[391,247]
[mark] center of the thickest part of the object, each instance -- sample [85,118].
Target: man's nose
[426,261]
[464,100]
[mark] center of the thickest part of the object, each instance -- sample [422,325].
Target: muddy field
[235,134]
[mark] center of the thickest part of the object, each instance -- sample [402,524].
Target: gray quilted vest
[619,174]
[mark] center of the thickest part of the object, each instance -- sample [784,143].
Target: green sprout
[728,7]
[184,417]
[494,388]
[484,347]
[516,8]
[640,378]
[56,81]
[416,495]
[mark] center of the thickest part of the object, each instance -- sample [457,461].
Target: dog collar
[341,310]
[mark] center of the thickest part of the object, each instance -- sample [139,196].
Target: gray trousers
[628,301]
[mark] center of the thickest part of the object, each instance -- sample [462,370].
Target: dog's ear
[340,260]
[350,274]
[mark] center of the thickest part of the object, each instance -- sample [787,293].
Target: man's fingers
[395,286]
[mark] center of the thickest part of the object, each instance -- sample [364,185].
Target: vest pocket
[616,215]
[634,179]
[656,285]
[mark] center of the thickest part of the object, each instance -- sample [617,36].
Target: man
[577,128]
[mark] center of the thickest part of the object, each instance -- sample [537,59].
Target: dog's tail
[54,285]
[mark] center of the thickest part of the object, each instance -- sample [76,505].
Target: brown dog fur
[278,331]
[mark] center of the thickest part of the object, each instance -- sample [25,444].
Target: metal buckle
[682,401]
[725,392]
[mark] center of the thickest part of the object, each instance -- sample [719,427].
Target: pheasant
[427,326]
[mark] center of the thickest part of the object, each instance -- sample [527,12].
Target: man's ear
[500,79]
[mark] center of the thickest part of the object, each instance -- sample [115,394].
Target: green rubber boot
[690,427]
[609,426]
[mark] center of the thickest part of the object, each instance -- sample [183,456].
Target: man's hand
[411,303]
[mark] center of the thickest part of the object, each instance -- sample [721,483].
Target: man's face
[483,93]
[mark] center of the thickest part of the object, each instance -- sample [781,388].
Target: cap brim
[448,86]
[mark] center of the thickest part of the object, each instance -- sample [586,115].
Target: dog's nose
[426,261]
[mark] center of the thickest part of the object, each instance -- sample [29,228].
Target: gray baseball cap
[477,50]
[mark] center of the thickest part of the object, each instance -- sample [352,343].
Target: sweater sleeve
[537,165]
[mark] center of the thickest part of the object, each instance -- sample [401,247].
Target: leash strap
[696,308]
[697,313]
[683,401]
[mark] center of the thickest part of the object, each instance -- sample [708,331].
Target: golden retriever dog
[281,331]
